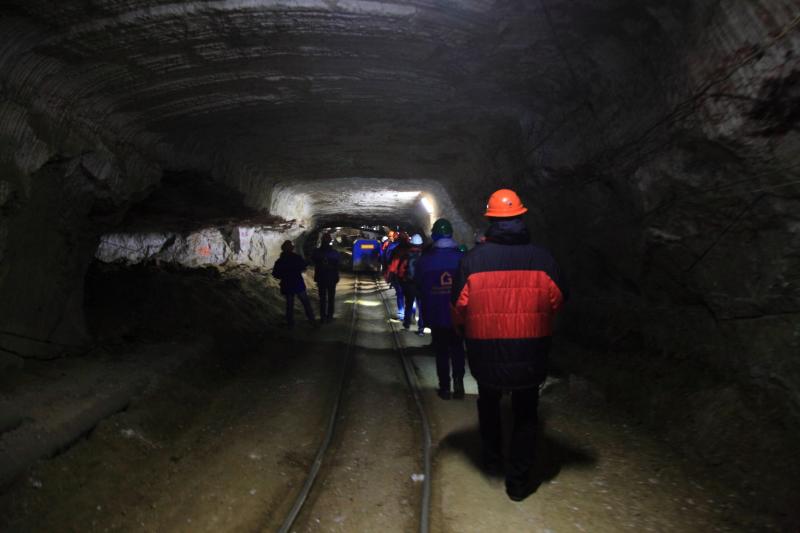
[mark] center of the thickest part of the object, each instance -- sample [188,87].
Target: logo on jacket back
[445,284]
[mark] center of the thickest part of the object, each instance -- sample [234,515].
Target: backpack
[407,266]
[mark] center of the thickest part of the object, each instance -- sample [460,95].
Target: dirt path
[223,443]
[601,472]
[367,484]
[220,444]
[195,456]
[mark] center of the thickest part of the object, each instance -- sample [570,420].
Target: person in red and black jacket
[505,297]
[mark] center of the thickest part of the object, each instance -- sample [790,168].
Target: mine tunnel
[155,156]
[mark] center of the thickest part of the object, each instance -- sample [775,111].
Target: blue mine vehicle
[366,255]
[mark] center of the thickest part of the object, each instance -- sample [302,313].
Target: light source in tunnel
[429,207]
[365,303]
[404,195]
[427,204]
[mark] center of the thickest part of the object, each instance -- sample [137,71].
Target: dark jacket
[404,261]
[434,274]
[505,297]
[289,269]
[326,265]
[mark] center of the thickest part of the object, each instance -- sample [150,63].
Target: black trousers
[409,297]
[327,299]
[449,349]
[525,404]
[303,297]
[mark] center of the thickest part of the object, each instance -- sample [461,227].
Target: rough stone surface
[249,246]
[50,232]
[369,201]
[682,248]
[655,142]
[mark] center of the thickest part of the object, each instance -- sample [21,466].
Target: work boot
[493,464]
[443,393]
[518,490]
[458,389]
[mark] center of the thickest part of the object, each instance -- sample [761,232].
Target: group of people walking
[422,278]
[289,270]
[496,302]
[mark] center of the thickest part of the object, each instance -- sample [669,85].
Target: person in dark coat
[433,274]
[326,274]
[289,269]
[505,297]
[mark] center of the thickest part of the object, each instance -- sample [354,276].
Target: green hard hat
[463,248]
[442,228]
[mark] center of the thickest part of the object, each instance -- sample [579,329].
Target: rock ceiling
[283,73]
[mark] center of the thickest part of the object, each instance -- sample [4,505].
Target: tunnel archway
[367,201]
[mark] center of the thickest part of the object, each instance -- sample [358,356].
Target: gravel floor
[222,443]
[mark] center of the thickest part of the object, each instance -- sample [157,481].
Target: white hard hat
[416,240]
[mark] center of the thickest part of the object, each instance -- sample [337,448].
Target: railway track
[365,284]
[413,385]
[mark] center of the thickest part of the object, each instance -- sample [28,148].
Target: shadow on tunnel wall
[233,309]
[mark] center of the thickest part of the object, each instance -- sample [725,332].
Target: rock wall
[257,246]
[681,242]
[368,201]
[63,177]
[51,221]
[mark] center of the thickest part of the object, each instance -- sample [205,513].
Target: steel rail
[329,431]
[413,385]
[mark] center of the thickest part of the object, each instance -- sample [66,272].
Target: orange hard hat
[504,203]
